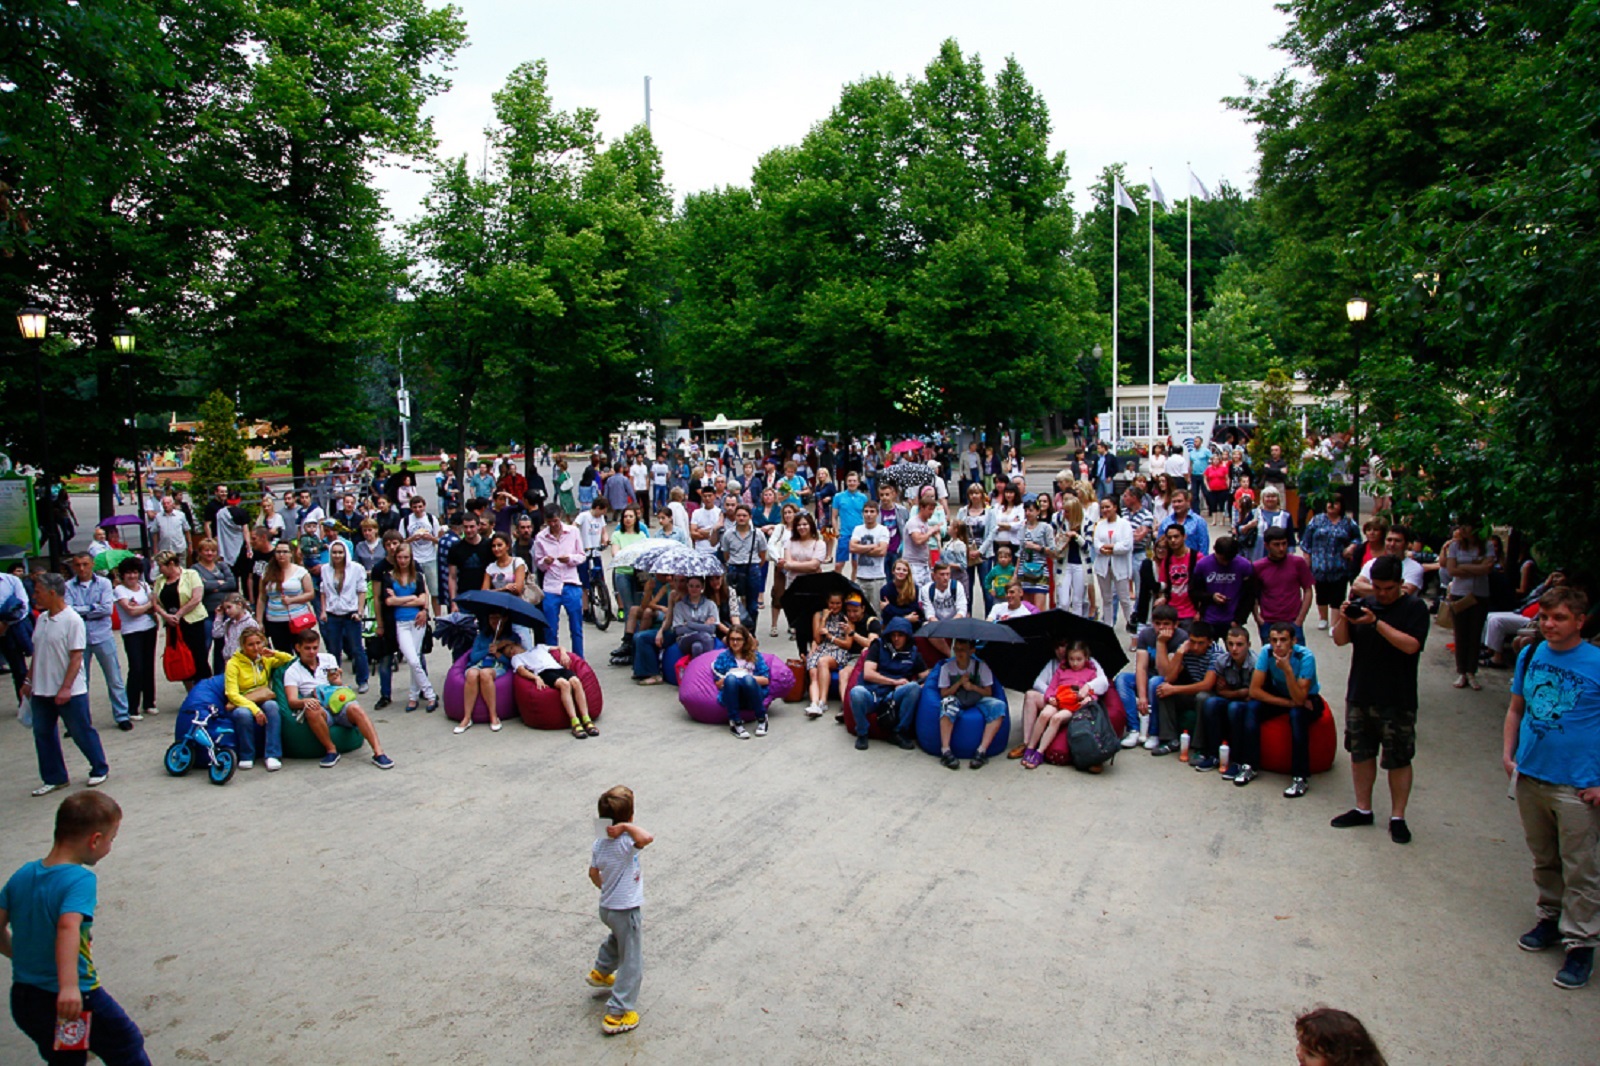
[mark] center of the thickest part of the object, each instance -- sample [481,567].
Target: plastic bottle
[1222,756]
[1183,747]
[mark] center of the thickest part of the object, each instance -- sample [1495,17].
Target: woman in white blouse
[1112,555]
[344,600]
[1009,519]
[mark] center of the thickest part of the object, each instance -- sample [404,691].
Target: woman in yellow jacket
[249,688]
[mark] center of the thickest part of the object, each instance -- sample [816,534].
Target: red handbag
[299,623]
[177,661]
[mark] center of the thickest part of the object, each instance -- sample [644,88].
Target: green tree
[218,456]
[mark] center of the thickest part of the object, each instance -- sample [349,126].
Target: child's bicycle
[597,598]
[205,738]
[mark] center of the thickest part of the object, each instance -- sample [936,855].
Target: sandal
[1459,682]
[1472,680]
[590,729]
[652,680]
[1032,759]
[579,732]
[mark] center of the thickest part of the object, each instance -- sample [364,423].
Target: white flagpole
[1116,408]
[1151,335]
[1188,240]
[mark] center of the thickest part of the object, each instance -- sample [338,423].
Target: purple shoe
[1031,759]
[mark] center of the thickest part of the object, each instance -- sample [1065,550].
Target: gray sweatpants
[622,953]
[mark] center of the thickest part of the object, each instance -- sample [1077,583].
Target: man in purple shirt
[1285,590]
[1218,583]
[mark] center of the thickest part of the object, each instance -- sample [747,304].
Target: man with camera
[1386,631]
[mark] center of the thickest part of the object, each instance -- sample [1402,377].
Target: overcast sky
[1138,82]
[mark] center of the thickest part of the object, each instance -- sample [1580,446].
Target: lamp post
[1088,364]
[34,322]
[1355,310]
[123,340]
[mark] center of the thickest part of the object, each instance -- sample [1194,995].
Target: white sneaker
[247,764]
[96,780]
[1322,623]
[274,764]
[1152,743]
[814,711]
[362,689]
[1130,739]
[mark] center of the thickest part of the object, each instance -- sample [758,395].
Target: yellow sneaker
[612,1025]
[602,980]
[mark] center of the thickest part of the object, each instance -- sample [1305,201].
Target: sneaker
[1203,763]
[1322,623]
[814,710]
[1399,832]
[773,632]
[1130,739]
[383,762]
[738,730]
[1152,743]
[905,742]
[861,743]
[978,760]
[611,1025]
[1166,748]
[383,701]
[597,979]
[126,725]
[1575,973]
[328,760]
[45,790]
[1244,775]
[361,689]
[1547,934]
[946,759]
[96,780]
[761,727]
[152,710]
[247,764]
[274,764]
[1351,819]
[1297,787]
[1230,773]
[136,716]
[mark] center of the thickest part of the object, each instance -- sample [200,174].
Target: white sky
[1138,82]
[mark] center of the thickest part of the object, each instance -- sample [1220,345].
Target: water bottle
[1144,725]
[1183,747]
[1222,757]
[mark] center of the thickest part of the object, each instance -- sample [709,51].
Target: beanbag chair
[543,709]
[1277,743]
[455,685]
[298,740]
[968,725]
[672,664]
[698,689]
[1058,755]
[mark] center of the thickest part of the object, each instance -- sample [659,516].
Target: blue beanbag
[968,728]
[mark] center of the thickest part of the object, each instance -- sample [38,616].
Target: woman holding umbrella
[484,666]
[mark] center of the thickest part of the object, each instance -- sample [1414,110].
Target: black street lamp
[1355,310]
[34,322]
[1088,366]
[123,340]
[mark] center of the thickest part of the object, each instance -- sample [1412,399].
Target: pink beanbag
[543,709]
[698,690]
[455,683]
[1057,755]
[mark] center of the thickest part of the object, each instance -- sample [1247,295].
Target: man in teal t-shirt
[847,506]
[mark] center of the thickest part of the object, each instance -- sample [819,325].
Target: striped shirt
[1140,519]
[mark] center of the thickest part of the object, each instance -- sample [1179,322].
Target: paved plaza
[806,902]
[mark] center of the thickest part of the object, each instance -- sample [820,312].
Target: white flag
[1194,182]
[1122,197]
[1157,195]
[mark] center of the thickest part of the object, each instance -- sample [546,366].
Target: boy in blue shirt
[46,911]
[614,869]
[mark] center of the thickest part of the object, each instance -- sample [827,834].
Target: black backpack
[1090,738]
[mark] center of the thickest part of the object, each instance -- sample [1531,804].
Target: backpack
[1090,738]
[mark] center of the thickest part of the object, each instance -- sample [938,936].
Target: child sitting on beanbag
[1070,689]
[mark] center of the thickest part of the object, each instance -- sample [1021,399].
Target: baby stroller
[209,737]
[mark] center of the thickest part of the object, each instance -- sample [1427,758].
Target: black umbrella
[907,475]
[456,631]
[1018,665]
[808,594]
[483,602]
[973,629]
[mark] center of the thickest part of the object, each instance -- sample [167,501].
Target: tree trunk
[297,463]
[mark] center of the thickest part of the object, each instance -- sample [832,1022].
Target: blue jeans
[113,1036]
[658,497]
[1299,633]
[1226,720]
[646,659]
[571,598]
[105,653]
[343,639]
[1127,686]
[244,729]
[47,742]
[741,694]
[903,700]
[745,579]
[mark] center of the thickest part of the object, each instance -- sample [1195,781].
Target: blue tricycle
[209,738]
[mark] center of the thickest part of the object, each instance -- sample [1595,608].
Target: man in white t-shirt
[1411,572]
[942,599]
[916,543]
[705,525]
[593,533]
[421,530]
[869,546]
[639,474]
[58,686]
[310,683]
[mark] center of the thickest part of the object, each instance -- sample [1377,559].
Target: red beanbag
[543,709]
[1277,737]
[1057,755]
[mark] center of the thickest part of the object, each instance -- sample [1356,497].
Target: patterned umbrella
[907,475]
[629,556]
[686,562]
[645,562]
